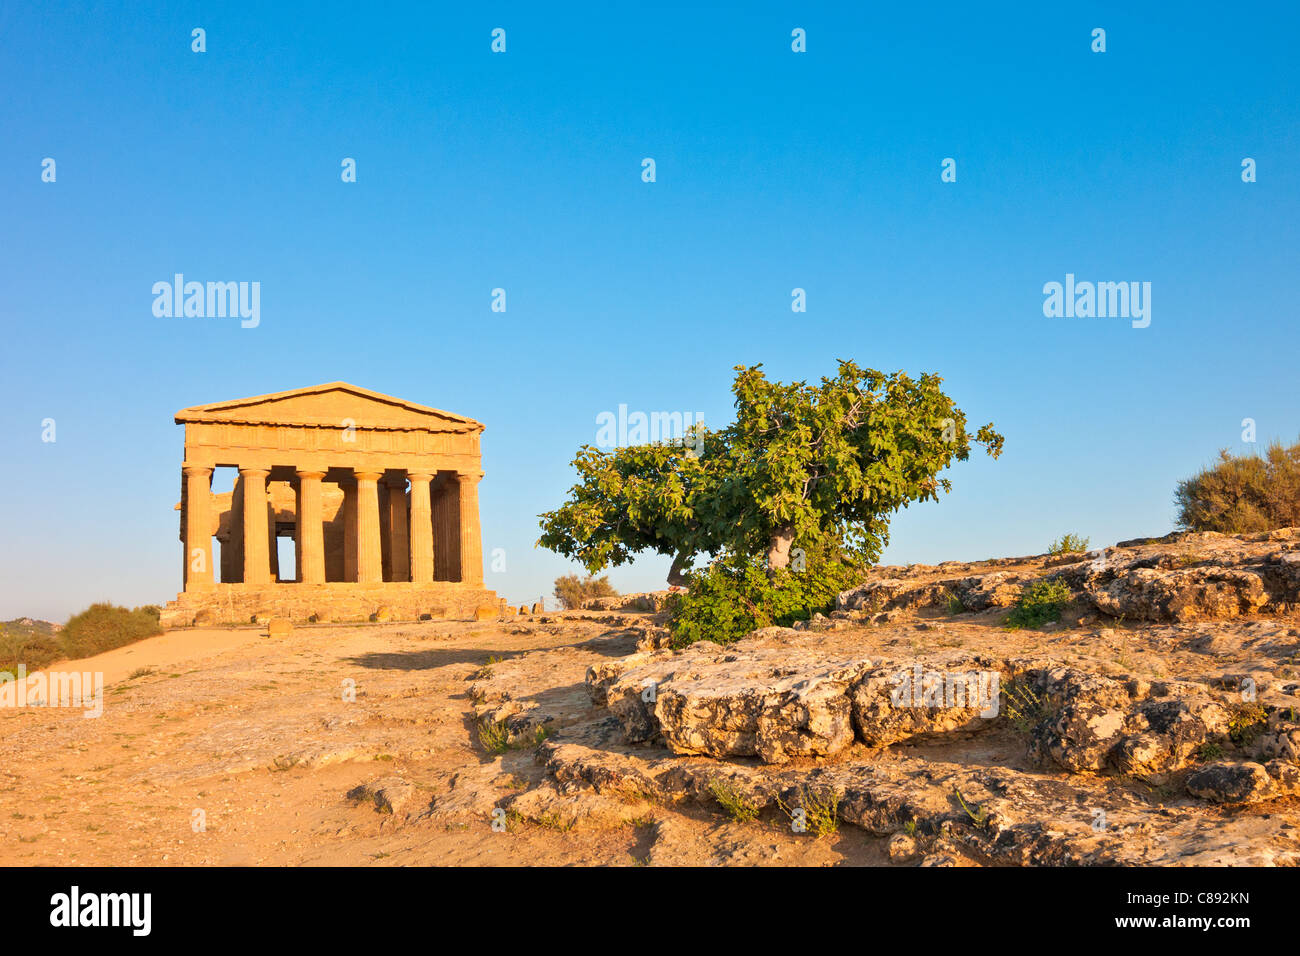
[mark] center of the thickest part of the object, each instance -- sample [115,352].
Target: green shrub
[494,736]
[1039,602]
[820,810]
[725,602]
[737,804]
[1243,494]
[34,651]
[1068,544]
[102,627]
[573,590]
[1023,706]
[1246,721]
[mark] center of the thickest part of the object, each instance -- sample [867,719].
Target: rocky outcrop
[1242,781]
[387,795]
[1098,724]
[650,602]
[780,694]
[1180,578]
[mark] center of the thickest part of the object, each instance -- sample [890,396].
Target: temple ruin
[379,495]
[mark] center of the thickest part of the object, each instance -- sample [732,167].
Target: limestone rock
[278,627]
[653,638]
[901,847]
[1229,782]
[895,702]
[389,794]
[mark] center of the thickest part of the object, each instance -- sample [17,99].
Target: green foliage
[820,810]
[734,801]
[1243,494]
[1068,544]
[979,816]
[954,603]
[27,646]
[1246,722]
[1023,706]
[1209,751]
[814,467]
[102,627]
[494,736]
[723,602]
[572,590]
[1039,602]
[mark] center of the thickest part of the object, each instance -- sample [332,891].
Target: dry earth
[1141,718]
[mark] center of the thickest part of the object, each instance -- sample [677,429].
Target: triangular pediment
[329,405]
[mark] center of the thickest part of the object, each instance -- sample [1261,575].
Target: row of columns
[410,550]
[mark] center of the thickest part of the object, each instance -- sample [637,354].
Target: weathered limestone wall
[334,602]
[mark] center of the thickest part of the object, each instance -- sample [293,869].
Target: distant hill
[29,626]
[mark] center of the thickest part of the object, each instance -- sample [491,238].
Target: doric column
[198,527]
[311,528]
[446,527]
[471,537]
[398,542]
[421,532]
[370,562]
[349,531]
[257,558]
[385,539]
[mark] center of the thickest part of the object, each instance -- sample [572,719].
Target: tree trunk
[676,575]
[778,551]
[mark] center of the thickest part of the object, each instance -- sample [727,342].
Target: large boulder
[897,701]
[1179,594]
[1229,781]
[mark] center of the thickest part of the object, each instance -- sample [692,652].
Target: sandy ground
[253,737]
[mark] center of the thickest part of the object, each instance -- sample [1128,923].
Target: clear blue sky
[522,170]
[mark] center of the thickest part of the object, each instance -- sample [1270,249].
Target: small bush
[723,603]
[573,590]
[1039,602]
[820,815]
[494,737]
[737,804]
[102,627]
[1068,544]
[1243,494]
[33,651]
[1246,722]
[1024,707]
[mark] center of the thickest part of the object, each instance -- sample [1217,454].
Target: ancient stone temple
[379,495]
